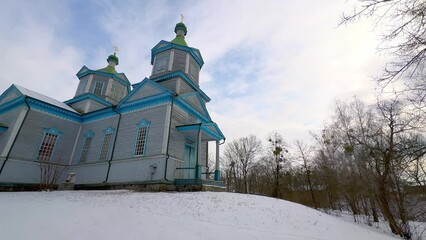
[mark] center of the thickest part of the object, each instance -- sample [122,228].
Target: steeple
[180,31]
[112,61]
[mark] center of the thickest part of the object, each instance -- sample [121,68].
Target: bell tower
[176,58]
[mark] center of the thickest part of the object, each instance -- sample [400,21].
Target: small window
[98,88]
[108,133]
[141,137]
[48,144]
[161,64]
[117,92]
[86,145]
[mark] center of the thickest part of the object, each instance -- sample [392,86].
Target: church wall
[8,119]
[184,87]
[30,137]
[82,85]
[170,84]
[194,70]
[23,156]
[97,127]
[93,170]
[127,133]
[179,61]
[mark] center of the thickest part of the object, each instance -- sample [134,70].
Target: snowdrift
[122,215]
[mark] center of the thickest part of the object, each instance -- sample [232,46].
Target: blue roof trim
[142,103]
[89,71]
[11,105]
[202,104]
[190,109]
[139,86]
[12,88]
[216,127]
[53,110]
[202,128]
[195,53]
[90,96]
[98,115]
[183,76]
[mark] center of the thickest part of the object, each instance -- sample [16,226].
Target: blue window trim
[51,131]
[107,131]
[142,123]
[88,134]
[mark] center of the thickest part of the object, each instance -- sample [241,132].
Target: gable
[144,89]
[10,94]
[195,101]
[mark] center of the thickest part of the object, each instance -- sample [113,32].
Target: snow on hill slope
[122,215]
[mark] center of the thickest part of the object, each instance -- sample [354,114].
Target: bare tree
[304,154]
[241,154]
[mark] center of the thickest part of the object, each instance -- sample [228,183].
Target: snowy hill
[126,215]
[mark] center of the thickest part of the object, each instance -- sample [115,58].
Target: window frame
[87,136]
[109,131]
[47,132]
[142,124]
[101,88]
[164,67]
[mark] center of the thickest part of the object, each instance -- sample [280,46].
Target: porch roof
[208,131]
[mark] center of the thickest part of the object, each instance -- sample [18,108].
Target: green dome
[181,26]
[113,58]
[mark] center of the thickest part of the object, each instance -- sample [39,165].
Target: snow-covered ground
[122,215]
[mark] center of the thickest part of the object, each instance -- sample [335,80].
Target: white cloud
[278,65]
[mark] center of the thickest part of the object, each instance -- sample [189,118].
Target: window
[86,144]
[108,133]
[98,88]
[48,144]
[161,64]
[141,137]
[117,92]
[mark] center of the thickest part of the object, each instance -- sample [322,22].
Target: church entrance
[189,160]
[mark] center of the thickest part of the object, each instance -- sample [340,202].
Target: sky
[270,66]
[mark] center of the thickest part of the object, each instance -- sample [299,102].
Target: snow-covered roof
[43,98]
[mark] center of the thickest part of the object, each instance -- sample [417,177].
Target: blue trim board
[138,86]
[191,110]
[165,45]
[145,102]
[11,89]
[201,128]
[90,96]
[200,101]
[11,105]
[53,110]
[185,78]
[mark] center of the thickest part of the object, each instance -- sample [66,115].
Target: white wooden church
[111,132]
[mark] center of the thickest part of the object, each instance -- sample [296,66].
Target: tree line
[368,159]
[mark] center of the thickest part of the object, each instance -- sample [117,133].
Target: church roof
[108,69]
[43,98]
[180,40]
